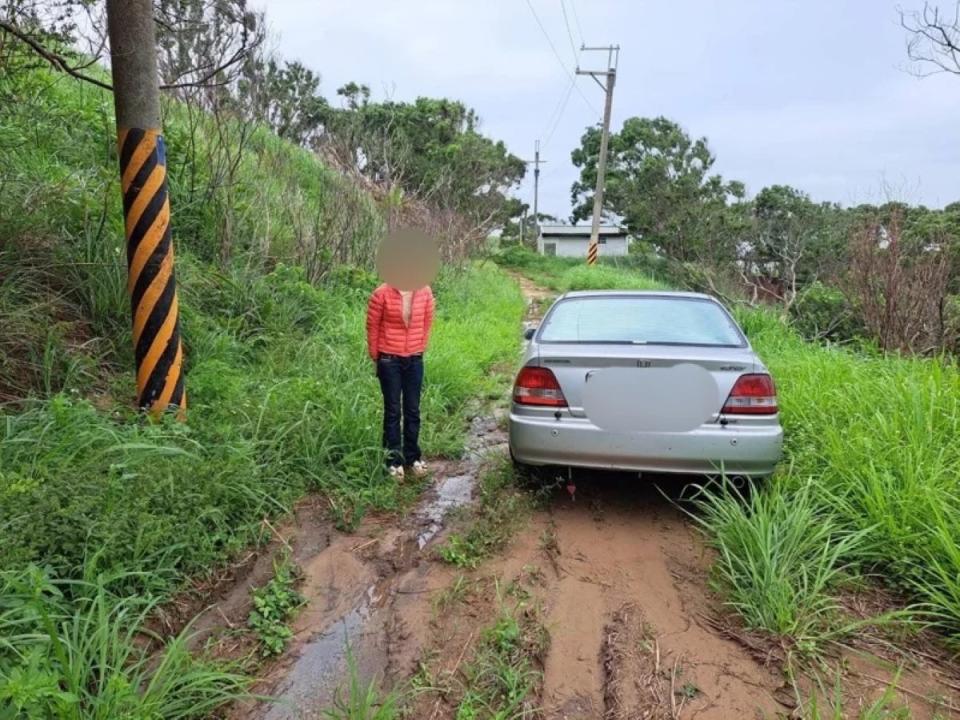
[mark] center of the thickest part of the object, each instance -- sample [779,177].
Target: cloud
[806,92]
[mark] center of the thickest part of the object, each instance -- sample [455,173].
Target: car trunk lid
[646,381]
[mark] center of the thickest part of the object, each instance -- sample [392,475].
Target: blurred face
[408,260]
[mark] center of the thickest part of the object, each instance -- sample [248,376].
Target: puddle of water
[321,667]
[452,492]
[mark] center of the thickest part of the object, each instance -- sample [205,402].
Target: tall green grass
[283,400]
[565,274]
[78,649]
[869,481]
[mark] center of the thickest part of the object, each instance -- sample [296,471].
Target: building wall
[577,247]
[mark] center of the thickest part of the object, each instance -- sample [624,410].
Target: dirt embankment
[616,571]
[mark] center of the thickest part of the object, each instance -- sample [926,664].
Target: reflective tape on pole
[151,281]
[592,251]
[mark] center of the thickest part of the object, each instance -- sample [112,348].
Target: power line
[566,22]
[559,59]
[576,20]
[556,108]
[558,114]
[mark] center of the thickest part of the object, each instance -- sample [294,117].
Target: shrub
[822,312]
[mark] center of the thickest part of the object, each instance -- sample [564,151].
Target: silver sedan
[644,382]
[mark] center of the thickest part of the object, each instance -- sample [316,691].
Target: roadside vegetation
[103,514]
[566,274]
[867,490]
[274,605]
[503,677]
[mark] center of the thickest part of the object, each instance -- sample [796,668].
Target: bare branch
[205,80]
[58,61]
[934,40]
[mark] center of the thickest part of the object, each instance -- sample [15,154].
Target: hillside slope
[272,256]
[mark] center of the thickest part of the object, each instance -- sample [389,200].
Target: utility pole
[536,180]
[613,56]
[536,189]
[151,282]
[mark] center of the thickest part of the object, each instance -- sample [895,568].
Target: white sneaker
[396,471]
[420,468]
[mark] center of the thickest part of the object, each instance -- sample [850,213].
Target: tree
[38,31]
[285,96]
[204,47]
[201,43]
[899,286]
[658,183]
[791,242]
[430,148]
[934,42]
[519,225]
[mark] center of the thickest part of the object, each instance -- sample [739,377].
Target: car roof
[636,293]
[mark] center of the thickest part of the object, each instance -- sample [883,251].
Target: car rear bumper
[744,448]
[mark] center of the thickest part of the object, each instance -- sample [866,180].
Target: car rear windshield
[654,320]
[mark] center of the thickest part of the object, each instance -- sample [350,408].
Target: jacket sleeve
[428,317]
[374,316]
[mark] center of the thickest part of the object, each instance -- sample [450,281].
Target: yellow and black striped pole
[593,249]
[151,283]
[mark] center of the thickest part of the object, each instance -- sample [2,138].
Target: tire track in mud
[629,613]
[368,594]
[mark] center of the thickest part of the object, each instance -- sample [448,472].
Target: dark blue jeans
[401,379]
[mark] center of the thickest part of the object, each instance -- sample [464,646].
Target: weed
[502,679]
[499,511]
[363,701]
[92,658]
[273,605]
[455,593]
[824,703]
[778,558]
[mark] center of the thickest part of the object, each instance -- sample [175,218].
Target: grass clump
[503,677]
[359,700]
[500,509]
[274,605]
[80,651]
[780,555]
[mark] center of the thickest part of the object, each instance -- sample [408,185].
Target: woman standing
[398,330]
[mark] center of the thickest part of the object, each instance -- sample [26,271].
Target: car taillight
[538,386]
[753,394]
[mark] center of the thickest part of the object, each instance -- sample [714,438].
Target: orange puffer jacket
[386,331]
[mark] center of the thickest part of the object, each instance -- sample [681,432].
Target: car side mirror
[529,333]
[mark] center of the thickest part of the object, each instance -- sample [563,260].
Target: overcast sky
[811,93]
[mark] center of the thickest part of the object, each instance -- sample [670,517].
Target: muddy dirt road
[617,572]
